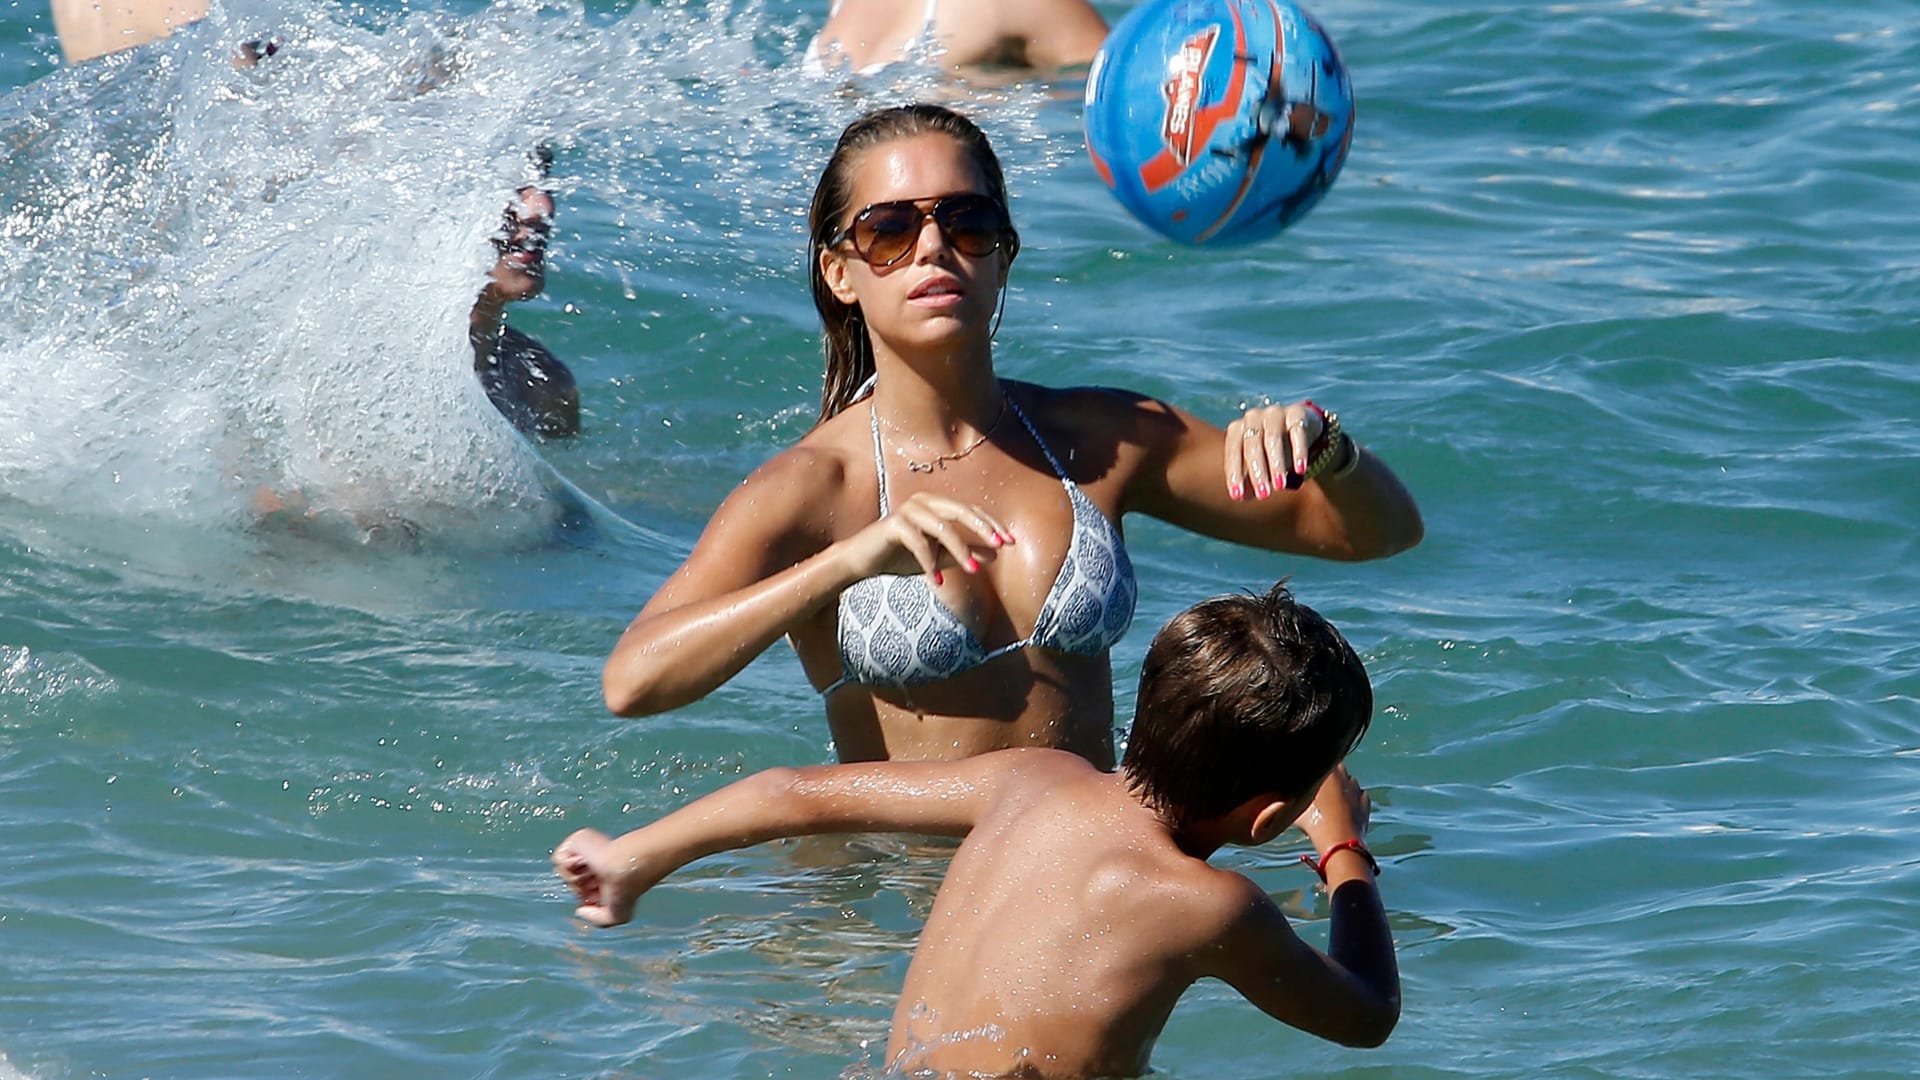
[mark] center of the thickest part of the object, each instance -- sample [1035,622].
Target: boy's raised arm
[1350,993]
[944,798]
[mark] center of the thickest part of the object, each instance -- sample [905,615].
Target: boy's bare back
[1066,929]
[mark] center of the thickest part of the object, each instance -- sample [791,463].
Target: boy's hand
[606,878]
[1340,811]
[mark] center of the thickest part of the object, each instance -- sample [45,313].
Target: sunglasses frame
[1004,237]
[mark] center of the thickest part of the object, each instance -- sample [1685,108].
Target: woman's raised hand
[923,534]
[1269,447]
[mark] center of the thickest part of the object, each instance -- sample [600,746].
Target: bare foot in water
[585,862]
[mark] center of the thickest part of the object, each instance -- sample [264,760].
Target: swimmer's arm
[1057,33]
[1366,514]
[87,28]
[610,876]
[1349,994]
[932,798]
[749,580]
[552,393]
[939,798]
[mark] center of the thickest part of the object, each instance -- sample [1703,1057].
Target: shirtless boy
[1081,906]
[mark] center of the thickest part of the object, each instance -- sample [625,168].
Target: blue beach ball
[1218,121]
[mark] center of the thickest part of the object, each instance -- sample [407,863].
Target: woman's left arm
[1242,483]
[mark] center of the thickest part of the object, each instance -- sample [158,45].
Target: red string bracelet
[1360,846]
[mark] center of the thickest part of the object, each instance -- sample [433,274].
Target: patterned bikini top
[894,631]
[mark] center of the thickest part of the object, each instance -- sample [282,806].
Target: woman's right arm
[757,571]
[766,563]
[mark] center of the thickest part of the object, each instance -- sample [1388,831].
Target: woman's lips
[937,291]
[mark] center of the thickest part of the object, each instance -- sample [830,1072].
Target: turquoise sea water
[1625,291]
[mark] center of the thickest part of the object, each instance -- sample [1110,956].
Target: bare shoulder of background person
[90,28]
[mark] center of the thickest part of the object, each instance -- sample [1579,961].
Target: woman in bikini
[862,37]
[942,548]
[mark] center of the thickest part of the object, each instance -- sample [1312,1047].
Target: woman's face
[935,294]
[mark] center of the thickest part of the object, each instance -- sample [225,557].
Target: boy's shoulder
[1201,919]
[1028,776]
[1209,896]
[1138,859]
[1178,913]
[1029,763]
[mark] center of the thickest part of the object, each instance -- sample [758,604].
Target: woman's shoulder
[808,479]
[1085,397]
[820,461]
[1098,411]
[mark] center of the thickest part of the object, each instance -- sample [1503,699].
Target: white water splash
[219,284]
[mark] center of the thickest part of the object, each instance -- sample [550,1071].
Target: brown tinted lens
[973,223]
[886,231]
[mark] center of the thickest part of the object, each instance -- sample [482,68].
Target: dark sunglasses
[887,232]
[536,230]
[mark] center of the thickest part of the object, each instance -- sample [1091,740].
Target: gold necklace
[939,461]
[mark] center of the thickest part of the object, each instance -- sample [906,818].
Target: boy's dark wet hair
[1243,696]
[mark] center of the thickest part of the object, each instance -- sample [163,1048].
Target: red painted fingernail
[973,565]
[1236,491]
[1261,490]
[937,579]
